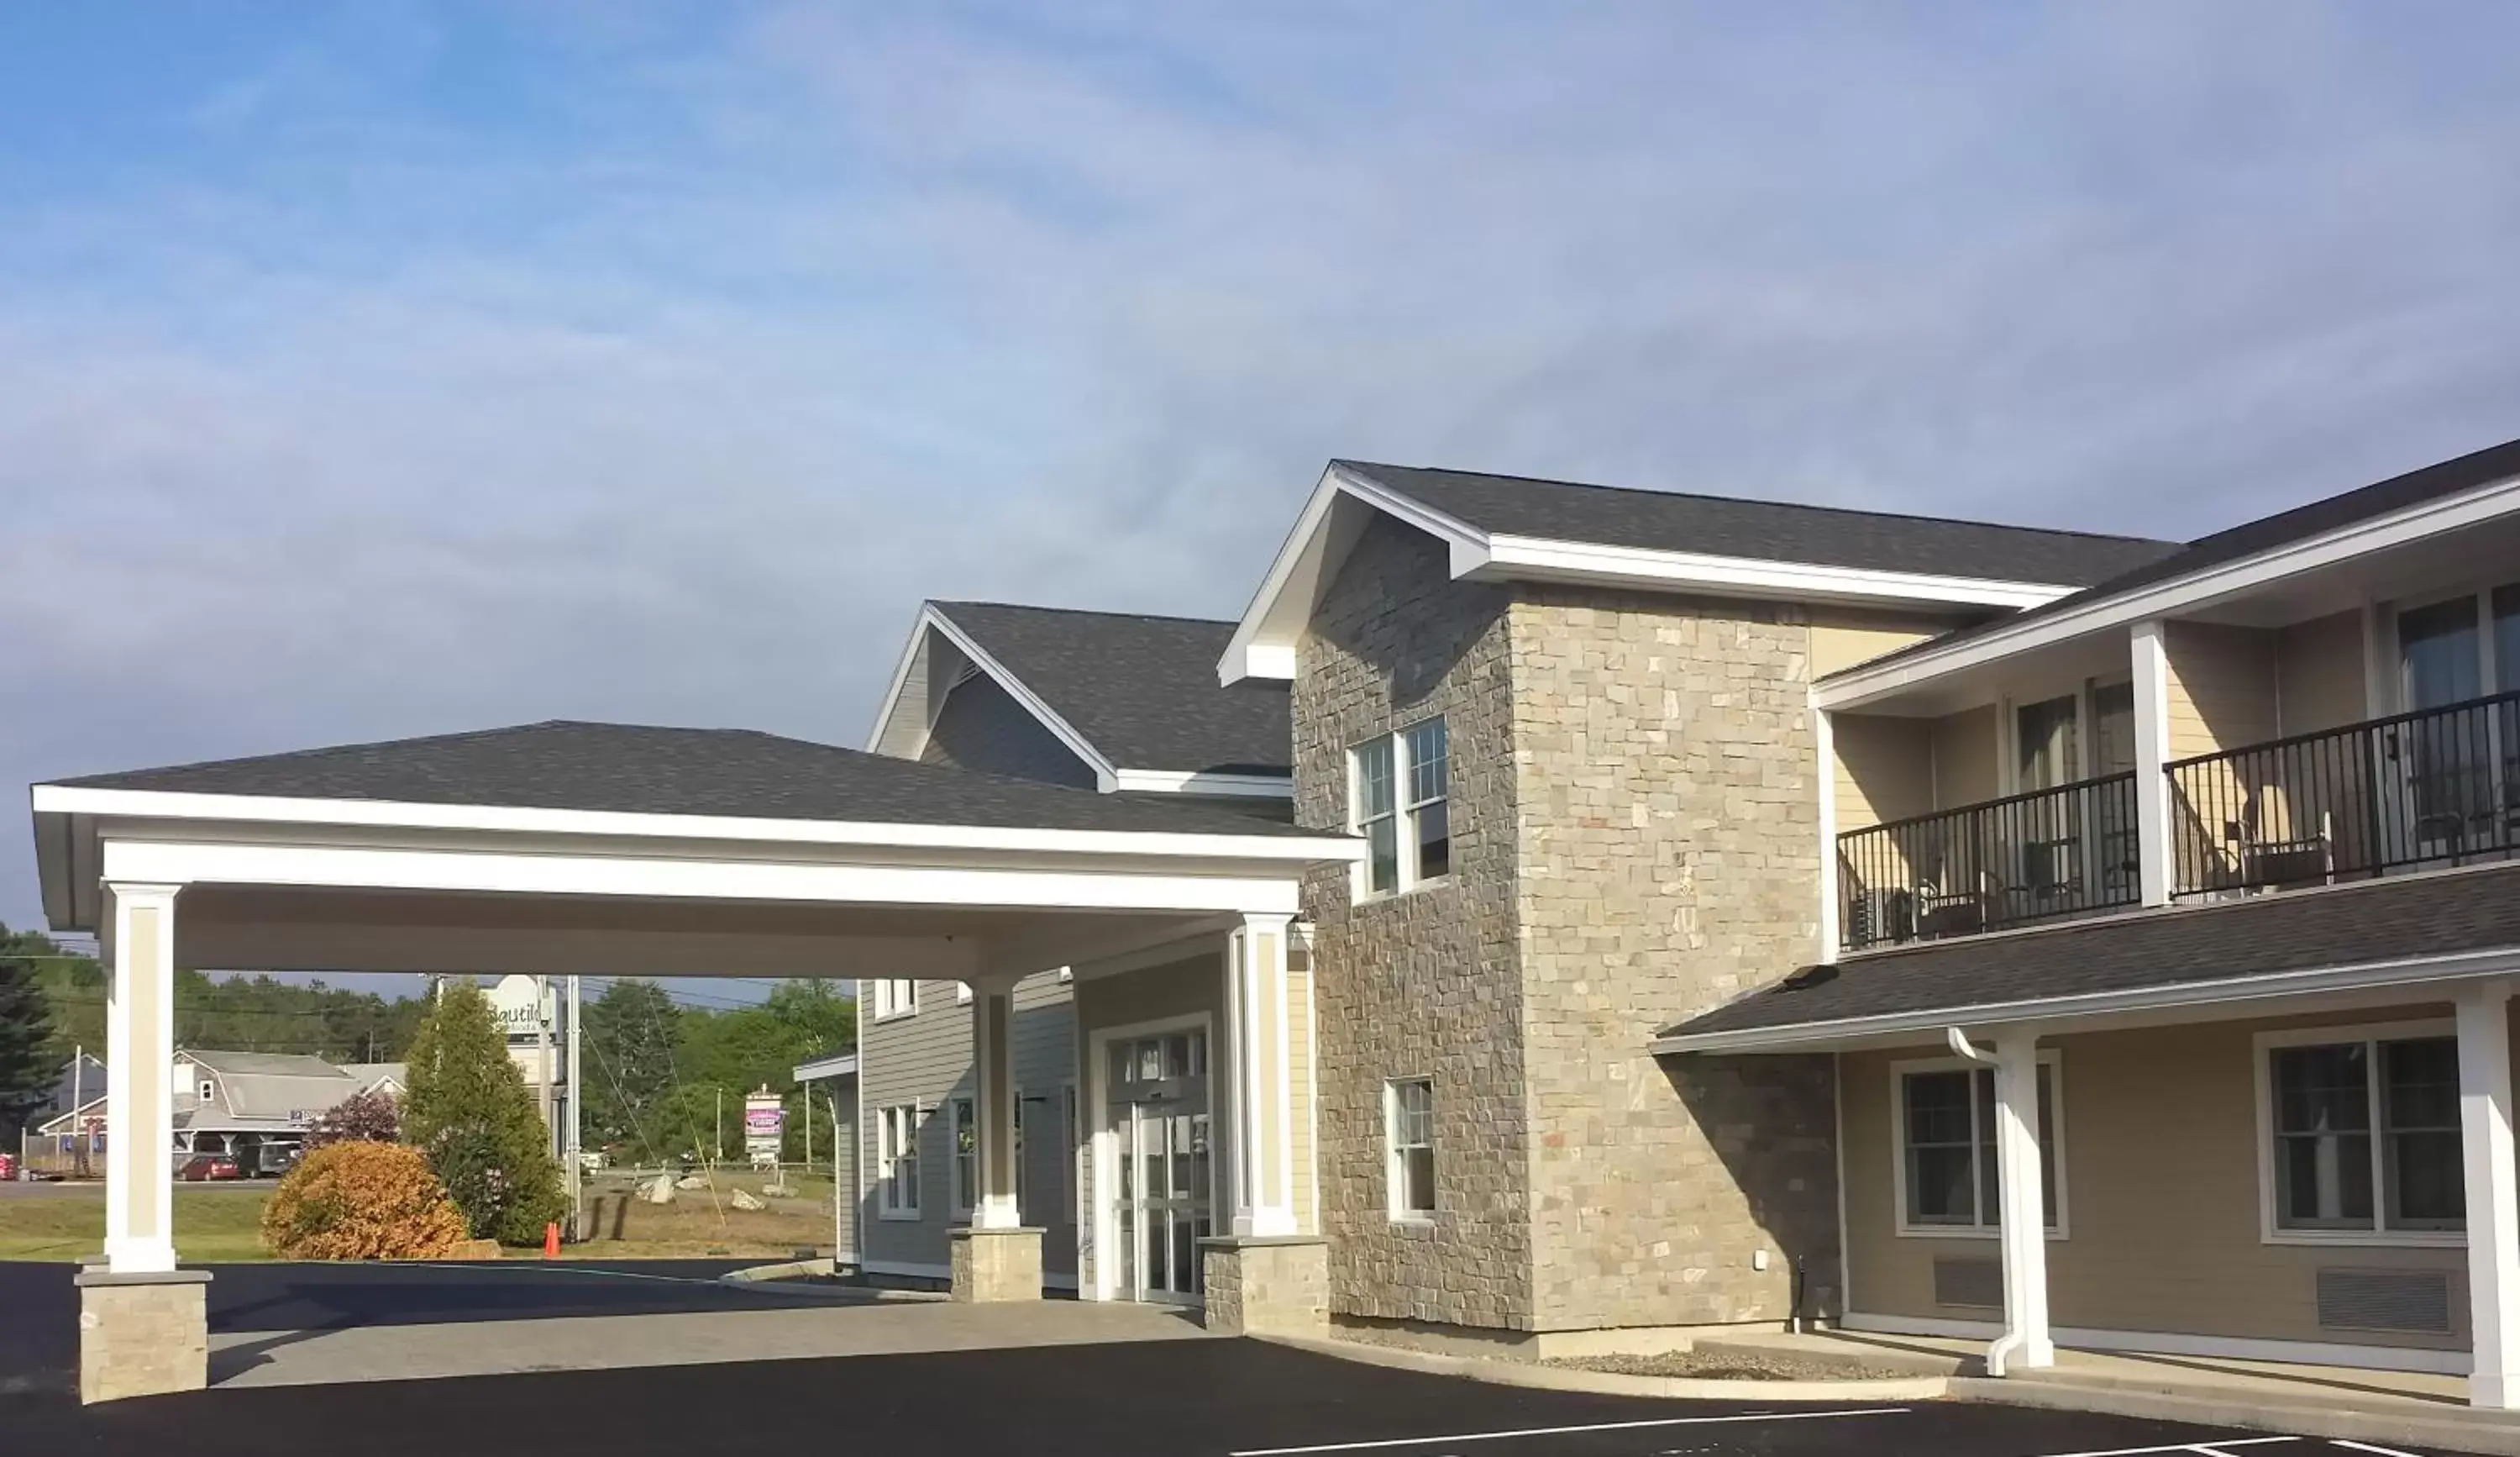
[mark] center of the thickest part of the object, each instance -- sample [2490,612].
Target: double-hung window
[2362,1134]
[1400,792]
[966,1157]
[1946,1163]
[890,998]
[1410,1112]
[896,1131]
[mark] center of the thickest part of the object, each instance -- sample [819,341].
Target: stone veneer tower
[1636,838]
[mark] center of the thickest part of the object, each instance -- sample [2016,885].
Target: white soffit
[1264,642]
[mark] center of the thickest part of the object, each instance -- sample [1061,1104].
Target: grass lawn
[211,1224]
[225,1224]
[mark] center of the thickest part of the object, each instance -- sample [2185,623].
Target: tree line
[664,1081]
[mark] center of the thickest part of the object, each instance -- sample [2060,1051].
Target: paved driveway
[1162,1398]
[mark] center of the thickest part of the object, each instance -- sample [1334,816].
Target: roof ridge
[1686,495]
[1081,612]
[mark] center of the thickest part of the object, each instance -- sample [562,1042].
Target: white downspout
[2021,1218]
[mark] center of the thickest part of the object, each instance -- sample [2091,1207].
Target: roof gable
[1506,527]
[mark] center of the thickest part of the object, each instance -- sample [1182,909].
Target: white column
[1831,897]
[140,1093]
[2153,849]
[993,1061]
[1264,1110]
[2492,1198]
[2023,1215]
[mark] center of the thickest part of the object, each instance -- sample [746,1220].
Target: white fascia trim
[153,805]
[900,680]
[2176,1344]
[1245,656]
[816,1071]
[1201,781]
[2365,976]
[1104,771]
[1858,686]
[1513,557]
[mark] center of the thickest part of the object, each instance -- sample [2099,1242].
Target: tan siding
[1299,1078]
[2161,1196]
[1966,764]
[2319,673]
[2221,688]
[1885,768]
[1840,640]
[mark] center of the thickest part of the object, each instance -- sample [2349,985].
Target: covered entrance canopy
[580,848]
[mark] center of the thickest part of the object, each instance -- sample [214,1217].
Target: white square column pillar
[993,1063]
[139,1081]
[2493,1193]
[2154,852]
[2023,1211]
[1264,1102]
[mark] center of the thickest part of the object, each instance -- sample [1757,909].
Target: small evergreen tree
[27,1071]
[468,1112]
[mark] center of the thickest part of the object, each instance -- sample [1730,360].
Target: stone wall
[1426,983]
[1667,832]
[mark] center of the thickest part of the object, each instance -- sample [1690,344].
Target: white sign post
[765,1128]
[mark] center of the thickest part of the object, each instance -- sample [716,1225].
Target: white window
[966,1157]
[207,1090]
[1409,1110]
[1946,1169]
[1399,793]
[897,1130]
[2361,1135]
[890,998]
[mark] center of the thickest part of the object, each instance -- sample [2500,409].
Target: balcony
[2065,852]
[2434,788]
[2419,791]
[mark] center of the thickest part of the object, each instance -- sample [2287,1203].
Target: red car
[204,1167]
[8,1168]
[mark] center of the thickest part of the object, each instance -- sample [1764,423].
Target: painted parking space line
[2364,1446]
[2210,1447]
[556,1267]
[1468,1436]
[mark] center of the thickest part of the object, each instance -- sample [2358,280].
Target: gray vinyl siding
[982,727]
[924,1060]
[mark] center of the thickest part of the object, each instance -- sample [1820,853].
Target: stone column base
[143,1335]
[997,1264]
[1279,1285]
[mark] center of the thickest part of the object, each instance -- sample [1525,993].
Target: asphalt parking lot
[1181,1398]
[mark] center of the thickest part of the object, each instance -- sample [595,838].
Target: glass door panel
[2440,766]
[1159,1119]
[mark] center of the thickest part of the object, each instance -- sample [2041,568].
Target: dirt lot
[56,1222]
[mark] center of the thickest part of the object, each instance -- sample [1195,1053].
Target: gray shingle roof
[2439,914]
[641,770]
[1766,531]
[1141,689]
[266,1064]
[2450,478]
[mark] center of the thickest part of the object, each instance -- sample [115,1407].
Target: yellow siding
[2221,688]
[2161,1196]
[1885,769]
[1964,758]
[1299,1078]
[2319,671]
[1841,640]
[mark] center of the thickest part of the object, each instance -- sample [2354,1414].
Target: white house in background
[255,1106]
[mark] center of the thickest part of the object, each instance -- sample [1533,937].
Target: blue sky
[382,369]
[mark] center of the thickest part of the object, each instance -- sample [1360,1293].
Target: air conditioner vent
[1968,1282]
[2413,1300]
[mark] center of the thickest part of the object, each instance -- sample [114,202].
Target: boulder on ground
[744,1199]
[658,1190]
[691,1181]
[776,1191]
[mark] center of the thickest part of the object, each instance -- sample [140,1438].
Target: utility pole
[542,1058]
[577,1124]
[717,1128]
[78,1100]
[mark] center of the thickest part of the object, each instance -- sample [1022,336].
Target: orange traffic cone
[551,1241]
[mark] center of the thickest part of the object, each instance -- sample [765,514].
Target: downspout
[2000,1352]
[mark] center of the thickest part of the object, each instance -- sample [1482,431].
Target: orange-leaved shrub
[361,1201]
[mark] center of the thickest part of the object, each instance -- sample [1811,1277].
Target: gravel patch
[1733,1365]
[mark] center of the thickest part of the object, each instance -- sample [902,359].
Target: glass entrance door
[1160,1206]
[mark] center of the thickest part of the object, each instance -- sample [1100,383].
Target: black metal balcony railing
[2063,851]
[2440,787]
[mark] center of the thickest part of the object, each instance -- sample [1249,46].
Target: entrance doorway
[1162,1204]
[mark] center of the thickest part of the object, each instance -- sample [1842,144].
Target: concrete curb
[808,1269]
[1611,1383]
[2495,1436]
